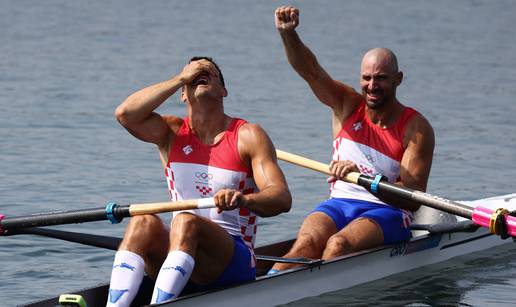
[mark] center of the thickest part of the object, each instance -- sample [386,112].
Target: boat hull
[340,273]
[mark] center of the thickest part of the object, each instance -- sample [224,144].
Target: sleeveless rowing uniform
[374,150]
[196,170]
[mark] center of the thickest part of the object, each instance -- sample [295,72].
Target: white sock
[173,276]
[126,277]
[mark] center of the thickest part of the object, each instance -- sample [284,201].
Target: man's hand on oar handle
[340,169]
[228,199]
[350,176]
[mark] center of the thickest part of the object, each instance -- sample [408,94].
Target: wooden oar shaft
[154,208]
[312,164]
[302,161]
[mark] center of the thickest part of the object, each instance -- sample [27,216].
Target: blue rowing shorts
[393,221]
[239,269]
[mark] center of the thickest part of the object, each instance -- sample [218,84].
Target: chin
[375,104]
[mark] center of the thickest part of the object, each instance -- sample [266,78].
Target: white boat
[315,277]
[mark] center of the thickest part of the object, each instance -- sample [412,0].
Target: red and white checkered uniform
[375,150]
[195,170]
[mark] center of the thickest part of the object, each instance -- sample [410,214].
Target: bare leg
[144,247]
[147,236]
[358,235]
[311,239]
[210,245]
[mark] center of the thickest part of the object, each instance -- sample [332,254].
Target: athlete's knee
[144,225]
[186,222]
[140,229]
[308,242]
[338,245]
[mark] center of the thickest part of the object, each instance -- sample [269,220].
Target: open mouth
[200,80]
[374,95]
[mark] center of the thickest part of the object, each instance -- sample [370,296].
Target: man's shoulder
[173,122]
[250,130]
[252,136]
[418,121]
[418,127]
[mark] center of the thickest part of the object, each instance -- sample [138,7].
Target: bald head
[379,77]
[383,57]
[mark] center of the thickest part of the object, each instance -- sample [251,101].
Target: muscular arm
[274,196]
[342,99]
[137,114]
[416,161]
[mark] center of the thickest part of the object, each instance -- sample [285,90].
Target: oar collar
[498,224]
[110,215]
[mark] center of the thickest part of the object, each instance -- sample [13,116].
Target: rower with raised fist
[374,134]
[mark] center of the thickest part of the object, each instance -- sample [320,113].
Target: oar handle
[154,208]
[351,177]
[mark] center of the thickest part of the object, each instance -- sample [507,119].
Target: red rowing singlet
[375,150]
[196,170]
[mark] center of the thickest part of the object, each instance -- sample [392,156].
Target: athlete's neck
[386,115]
[209,127]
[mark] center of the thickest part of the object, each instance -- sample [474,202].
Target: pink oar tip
[1,229]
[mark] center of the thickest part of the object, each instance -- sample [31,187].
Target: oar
[111,212]
[297,260]
[498,221]
[76,237]
[112,243]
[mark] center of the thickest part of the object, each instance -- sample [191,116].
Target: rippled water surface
[66,65]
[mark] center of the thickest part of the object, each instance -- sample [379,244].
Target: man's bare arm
[137,114]
[417,159]
[274,196]
[338,96]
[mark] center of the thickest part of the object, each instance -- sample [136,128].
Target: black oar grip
[114,213]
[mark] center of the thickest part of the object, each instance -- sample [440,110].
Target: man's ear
[183,95]
[399,78]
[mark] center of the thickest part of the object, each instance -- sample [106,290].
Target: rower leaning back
[207,154]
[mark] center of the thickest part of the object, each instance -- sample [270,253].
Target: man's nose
[372,84]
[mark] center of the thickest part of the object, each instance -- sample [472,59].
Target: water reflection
[479,279]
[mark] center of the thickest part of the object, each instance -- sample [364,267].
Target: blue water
[66,65]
